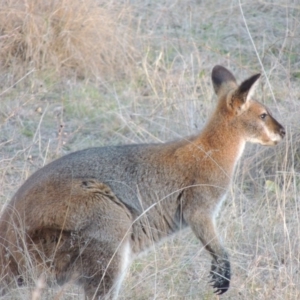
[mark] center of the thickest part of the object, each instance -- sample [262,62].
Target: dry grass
[169,95]
[87,38]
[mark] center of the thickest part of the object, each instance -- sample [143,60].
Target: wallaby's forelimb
[202,224]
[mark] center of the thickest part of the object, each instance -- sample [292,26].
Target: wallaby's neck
[222,142]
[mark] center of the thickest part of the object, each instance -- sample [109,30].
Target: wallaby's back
[122,168]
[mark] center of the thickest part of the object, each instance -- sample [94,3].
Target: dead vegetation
[85,38]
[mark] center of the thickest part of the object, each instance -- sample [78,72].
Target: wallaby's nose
[282,132]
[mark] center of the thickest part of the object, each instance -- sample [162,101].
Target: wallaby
[84,217]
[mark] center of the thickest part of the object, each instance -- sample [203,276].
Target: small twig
[27,74]
[256,52]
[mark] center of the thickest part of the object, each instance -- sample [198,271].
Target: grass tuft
[79,37]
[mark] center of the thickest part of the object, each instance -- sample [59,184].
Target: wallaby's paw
[220,274]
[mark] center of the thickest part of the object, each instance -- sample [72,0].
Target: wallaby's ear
[222,79]
[247,88]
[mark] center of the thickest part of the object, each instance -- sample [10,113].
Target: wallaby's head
[252,119]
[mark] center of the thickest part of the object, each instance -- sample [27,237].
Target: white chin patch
[272,140]
[255,141]
[276,138]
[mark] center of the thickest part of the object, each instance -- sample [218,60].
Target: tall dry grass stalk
[65,36]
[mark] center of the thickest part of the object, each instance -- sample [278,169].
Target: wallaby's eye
[263,116]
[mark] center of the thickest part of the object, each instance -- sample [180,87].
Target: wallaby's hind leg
[98,265]
[100,252]
[100,269]
[88,258]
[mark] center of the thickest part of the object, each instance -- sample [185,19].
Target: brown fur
[84,217]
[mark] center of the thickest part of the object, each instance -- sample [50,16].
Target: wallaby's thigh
[97,255]
[84,258]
